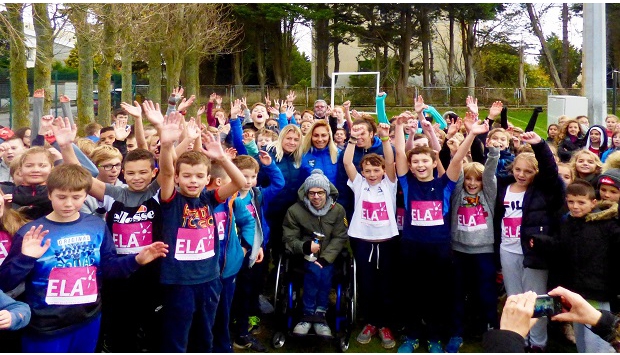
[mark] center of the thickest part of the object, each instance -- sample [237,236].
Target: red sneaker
[366,334]
[387,339]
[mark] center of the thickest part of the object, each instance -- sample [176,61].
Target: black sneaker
[249,342]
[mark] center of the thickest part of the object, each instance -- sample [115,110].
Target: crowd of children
[159,237]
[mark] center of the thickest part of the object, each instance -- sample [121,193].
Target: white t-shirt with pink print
[374,217]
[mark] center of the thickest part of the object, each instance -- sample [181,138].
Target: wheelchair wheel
[277,290]
[353,296]
[343,345]
[278,340]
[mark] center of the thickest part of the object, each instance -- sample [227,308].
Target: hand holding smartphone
[547,306]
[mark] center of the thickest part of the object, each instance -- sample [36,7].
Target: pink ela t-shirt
[5,245]
[511,222]
[471,215]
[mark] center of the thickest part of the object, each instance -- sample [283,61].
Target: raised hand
[244,103]
[472,104]
[356,131]
[31,244]
[201,110]
[290,111]
[383,130]
[480,128]
[470,120]
[134,111]
[39,93]
[530,138]
[212,97]
[283,106]
[225,128]
[419,105]
[185,103]
[272,110]
[212,147]
[267,101]
[276,104]
[231,153]
[63,131]
[455,127]
[356,115]
[218,101]
[235,109]
[45,124]
[346,105]
[291,97]
[152,252]
[328,111]
[496,109]
[55,153]
[171,129]
[177,92]
[426,125]
[121,130]
[64,98]
[153,113]
[264,158]
[3,148]
[191,129]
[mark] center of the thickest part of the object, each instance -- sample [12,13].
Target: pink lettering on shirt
[426,213]
[400,217]
[194,244]
[221,220]
[252,210]
[374,211]
[471,218]
[72,285]
[511,227]
[5,245]
[131,238]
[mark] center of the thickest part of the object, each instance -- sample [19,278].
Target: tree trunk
[431,63]
[238,72]
[321,40]
[105,69]
[336,44]
[565,47]
[541,37]
[192,64]
[19,84]
[45,52]
[425,40]
[174,64]
[522,85]
[405,54]
[126,71]
[451,52]
[154,73]
[260,61]
[469,41]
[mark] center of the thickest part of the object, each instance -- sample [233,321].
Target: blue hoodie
[235,228]
[319,159]
[293,177]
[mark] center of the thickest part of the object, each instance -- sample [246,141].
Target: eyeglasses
[316,193]
[109,166]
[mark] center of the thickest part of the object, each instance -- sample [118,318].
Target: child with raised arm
[473,204]
[372,231]
[63,257]
[426,250]
[191,274]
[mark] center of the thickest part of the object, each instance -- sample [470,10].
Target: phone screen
[547,306]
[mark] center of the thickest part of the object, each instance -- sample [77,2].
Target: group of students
[159,237]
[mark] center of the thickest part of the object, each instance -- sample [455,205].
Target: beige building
[350,57]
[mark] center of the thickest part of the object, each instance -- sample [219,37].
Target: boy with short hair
[190,276]
[426,242]
[264,137]
[250,278]
[235,228]
[584,255]
[92,131]
[609,185]
[63,257]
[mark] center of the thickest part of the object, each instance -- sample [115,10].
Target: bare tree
[13,28]
[535,21]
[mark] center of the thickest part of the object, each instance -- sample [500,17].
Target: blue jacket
[319,159]
[235,228]
[287,196]
[345,195]
[236,132]
[20,311]
[607,152]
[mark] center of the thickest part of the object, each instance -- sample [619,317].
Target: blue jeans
[82,339]
[221,332]
[187,304]
[317,284]
[474,274]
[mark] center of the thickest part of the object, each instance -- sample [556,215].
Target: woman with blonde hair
[286,152]
[319,150]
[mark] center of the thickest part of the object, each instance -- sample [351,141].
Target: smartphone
[547,306]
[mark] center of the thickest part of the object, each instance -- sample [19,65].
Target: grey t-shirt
[132,198]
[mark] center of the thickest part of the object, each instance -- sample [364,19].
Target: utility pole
[595,61]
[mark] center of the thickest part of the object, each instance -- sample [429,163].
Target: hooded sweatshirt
[603,144]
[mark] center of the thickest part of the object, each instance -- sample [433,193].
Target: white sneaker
[322,329]
[302,328]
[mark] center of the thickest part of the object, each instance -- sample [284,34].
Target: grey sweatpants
[519,279]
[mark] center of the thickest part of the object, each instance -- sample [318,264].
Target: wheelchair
[288,305]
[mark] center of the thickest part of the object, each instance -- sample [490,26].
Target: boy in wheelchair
[316,227]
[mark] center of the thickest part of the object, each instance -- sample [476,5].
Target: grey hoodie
[465,237]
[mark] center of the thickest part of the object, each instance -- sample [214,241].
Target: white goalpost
[376,73]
